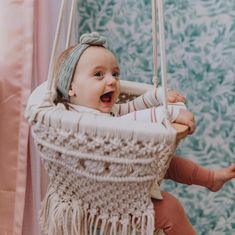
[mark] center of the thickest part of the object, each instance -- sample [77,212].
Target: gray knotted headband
[68,66]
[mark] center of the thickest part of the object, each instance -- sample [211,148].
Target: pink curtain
[45,19]
[16,53]
[25,40]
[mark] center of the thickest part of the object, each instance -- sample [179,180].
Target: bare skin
[174,96]
[185,117]
[221,176]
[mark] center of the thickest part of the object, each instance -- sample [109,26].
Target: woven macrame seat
[101,168]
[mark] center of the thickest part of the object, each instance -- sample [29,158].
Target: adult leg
[170,216]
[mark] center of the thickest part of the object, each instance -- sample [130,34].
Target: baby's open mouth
[107,97]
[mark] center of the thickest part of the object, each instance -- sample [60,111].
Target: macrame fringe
[70,217]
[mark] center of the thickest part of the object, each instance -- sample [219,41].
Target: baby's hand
[186,118]
[179,114]
[174,96]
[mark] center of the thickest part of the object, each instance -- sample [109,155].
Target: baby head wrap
[67,69]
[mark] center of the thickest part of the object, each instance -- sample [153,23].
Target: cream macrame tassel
[70,218]
[60,217]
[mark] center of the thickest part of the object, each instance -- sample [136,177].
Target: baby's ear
[71,93]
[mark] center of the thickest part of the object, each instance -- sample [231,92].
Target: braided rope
[162,51]
[71,18]
[154,40]
[55,46]
[76,153]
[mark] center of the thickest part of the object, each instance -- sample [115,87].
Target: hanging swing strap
[50,80]
[154,39]
[71,19]
[159,6]
[55,46]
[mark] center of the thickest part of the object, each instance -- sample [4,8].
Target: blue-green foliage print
[200,43]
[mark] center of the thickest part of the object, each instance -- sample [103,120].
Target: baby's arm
[177,112]
[152,98]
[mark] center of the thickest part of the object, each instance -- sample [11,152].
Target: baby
[88,80]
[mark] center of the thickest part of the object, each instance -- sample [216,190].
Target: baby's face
[96,80]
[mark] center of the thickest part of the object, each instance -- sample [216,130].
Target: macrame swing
[101,173]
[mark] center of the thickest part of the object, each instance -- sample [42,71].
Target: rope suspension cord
[71,17]
[55,46]
[182,130]
[162,52]
[154,39]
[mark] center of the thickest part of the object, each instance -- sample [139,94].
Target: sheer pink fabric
[16,52]
[25,42]
[45,15]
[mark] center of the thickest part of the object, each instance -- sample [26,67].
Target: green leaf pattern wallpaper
[200,44]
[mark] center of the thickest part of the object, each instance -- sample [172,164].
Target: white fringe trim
[59,217]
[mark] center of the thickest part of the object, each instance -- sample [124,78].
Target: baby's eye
[116,75]
[99,75]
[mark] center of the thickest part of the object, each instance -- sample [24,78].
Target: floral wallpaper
[200,42]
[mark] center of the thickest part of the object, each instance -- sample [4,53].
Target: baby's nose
[111,80]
